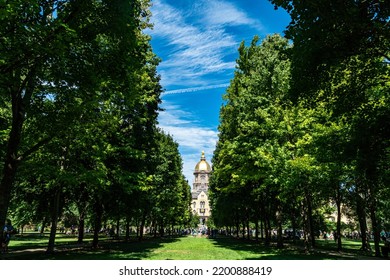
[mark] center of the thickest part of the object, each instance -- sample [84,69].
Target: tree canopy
[305,126]
[79,99]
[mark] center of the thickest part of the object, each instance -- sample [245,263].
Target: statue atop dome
[202,165]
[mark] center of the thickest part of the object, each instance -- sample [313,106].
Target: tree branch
[34,148]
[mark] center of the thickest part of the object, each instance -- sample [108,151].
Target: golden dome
[202,165]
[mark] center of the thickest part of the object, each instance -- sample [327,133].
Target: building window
[202,204]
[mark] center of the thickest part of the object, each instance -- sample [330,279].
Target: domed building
[200,202]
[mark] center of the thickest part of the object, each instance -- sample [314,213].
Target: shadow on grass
[36,240]
[107,250]
[291,251]
[117,250]
[34,247]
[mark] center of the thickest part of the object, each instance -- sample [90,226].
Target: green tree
[255,94]
[326,33]
[50,50]
[345,46]
[104,120]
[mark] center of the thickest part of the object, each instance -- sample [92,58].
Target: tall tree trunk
[361,213]
[54,220]
[42,230]
[9,171]
[257,230]
[117,228]
[154,226]
[294,225]
[375,228]
[279,225]
[248,229]
[370,186]
[82,208]
[11,162]
[11,159]
[161,229]
[305,230]
[141,227]
[247,226]
[338,231]
[81,227]
[267,230]
[98,207]
[262,229]
[237,227]
[311,234]
[127,237]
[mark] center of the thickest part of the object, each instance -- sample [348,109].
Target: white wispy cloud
[194,50]
[192,138]
[199,52]
[173,115]
[189,134]
[218,12]
[184,90]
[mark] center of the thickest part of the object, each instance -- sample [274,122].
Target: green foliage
[82,77]
[246,163]
[320,133]
[326,33]
[307,124]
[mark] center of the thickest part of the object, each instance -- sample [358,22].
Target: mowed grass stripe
[193,248]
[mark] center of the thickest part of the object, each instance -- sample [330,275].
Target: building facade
[200,203]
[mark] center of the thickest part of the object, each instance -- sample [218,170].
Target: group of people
[8,230]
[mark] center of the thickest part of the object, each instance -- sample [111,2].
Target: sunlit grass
[196,248]
[180,248]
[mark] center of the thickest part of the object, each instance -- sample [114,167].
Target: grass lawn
[179,248]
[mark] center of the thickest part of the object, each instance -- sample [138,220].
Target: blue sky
[197,42]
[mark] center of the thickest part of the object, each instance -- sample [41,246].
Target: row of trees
[79,104]
[307,125]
